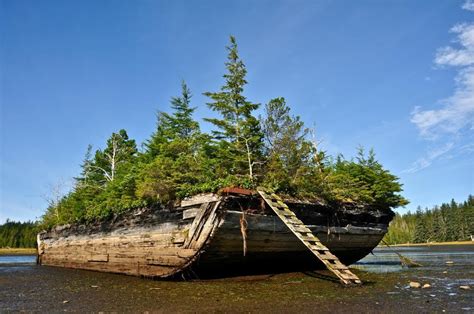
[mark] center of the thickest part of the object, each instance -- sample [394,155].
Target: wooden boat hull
[270,246]
[204,239]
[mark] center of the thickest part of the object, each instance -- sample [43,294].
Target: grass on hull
[17,251]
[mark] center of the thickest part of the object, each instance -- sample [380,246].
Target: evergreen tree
[448,222]
[238,131]
[18,234]
[289,152]
[178,125]
[176,156]
[421,230]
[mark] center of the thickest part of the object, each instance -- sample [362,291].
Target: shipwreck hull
[271,246]
[207,238]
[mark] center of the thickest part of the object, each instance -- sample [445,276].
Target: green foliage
[176,154]
[106,185]
[448,222]
[238,131]
[366,181]
[288,151]
[401,230]
[179,160]
[18,234]
[172,127]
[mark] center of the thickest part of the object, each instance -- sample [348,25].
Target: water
[17,259]
[444,267]
[384,260]
[24,286]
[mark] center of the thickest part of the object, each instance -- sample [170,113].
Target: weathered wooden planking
[203,225]
[199,199]
[113,252]
[191,213]
[160,250]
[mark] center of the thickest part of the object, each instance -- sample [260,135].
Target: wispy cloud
[468,5]
[426,161]
[455,117]
[458,110]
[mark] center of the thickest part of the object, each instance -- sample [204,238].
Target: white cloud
[456,114]
[447,125]
[427,160]
[462,56]
[468,5]
[458,110]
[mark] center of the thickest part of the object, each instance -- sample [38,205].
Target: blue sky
[397,76]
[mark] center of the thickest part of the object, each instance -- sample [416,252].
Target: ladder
[305,235]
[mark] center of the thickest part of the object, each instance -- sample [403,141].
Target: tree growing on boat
[238,136]
[179,160]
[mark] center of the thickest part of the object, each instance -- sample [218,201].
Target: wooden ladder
[309,239]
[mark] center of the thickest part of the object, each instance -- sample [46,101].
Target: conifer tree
[174,157]
[287,149]
[179,124]
[421,230]
[18,234]
[238,131]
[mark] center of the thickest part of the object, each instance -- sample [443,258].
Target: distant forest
[448,222]
[18,234]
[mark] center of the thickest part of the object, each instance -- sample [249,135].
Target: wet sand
[49,289]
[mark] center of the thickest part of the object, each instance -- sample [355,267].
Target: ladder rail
[311,241]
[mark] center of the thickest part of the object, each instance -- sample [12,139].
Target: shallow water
[384,260]
[24,286]
[17,259]
[444,267]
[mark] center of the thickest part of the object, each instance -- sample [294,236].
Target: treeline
[274,151]
[18,234]
[448,222]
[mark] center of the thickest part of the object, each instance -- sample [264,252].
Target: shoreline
[429,244]
[17,251]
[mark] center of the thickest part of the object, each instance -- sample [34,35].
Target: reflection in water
[385,260]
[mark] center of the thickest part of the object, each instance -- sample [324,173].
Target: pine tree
[178,125]
[175,154]
[238,131]
[421,231]
[18,234]
[469,212]
[289,152]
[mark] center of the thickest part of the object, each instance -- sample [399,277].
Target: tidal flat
[25,286]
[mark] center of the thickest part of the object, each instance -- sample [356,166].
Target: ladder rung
[350,276]
[273,204]
[327,256]
[338,265]
[316,247]
[300,229]
[275,197]
[294,220]
[287,213]
[309,239]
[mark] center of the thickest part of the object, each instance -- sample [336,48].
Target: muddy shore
[49,289]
